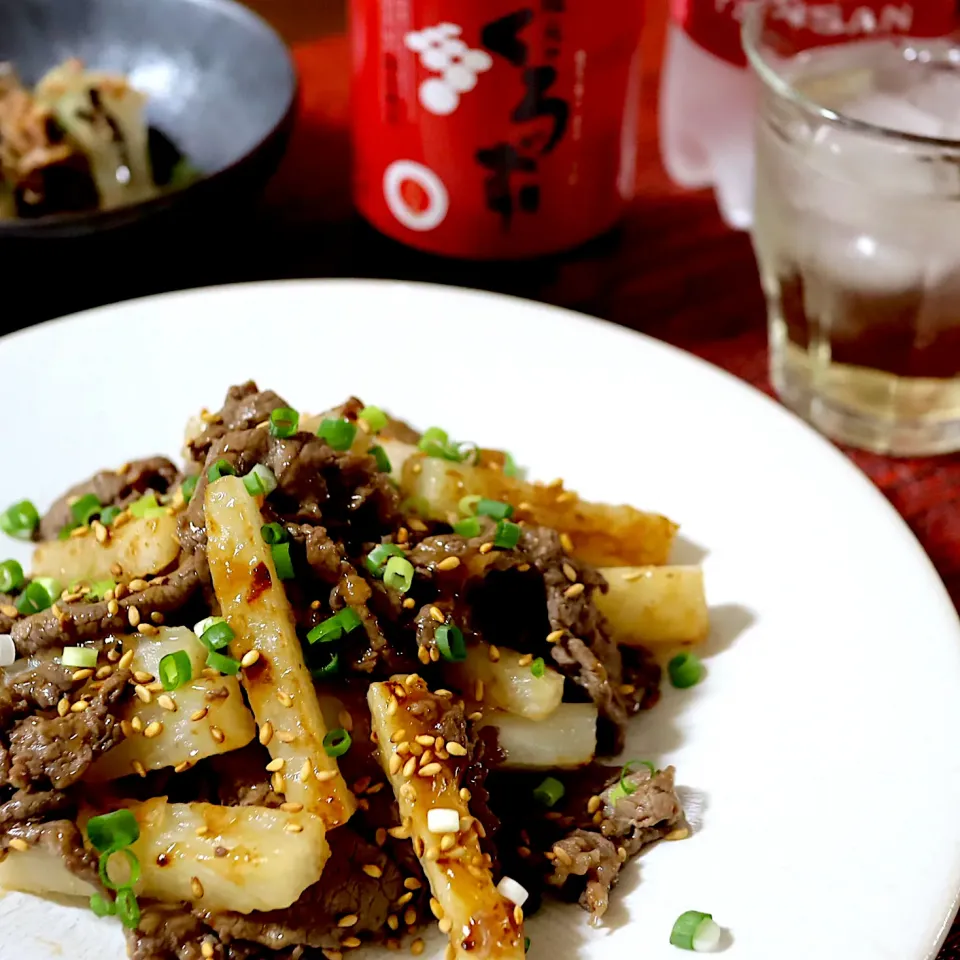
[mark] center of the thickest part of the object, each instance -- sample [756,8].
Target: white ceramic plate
[824,739]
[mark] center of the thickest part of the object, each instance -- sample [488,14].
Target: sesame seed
[408,604]
[410,916]
[456,749]
[79,532]
[155,687]
[493,653]
[147,630]
[430,770]
[100,531]
[182,767]
[376,788]
[346,721]
[380,836]
[569,572]
[143,693]
[423,654]
[196,887]
[210,673]
[138,768]
[394,764]
[417,947]
[574,590]
[399,833]
[105,671]
[79,675]
[217,734]
[80,706]
[563,856]
[249,659]
[432,855]
[305,771]
[116,569]
[274,765]
[285,699]
[126,660]
[8,610]
[478,690]
[266,733]
[475,716]
[167,702]
[410,767]
[437,614]
[593,804]
[137,724]
[403,748]
[627,688]
[426,758]
[525,660]
[206,949]
[133,616]
[622,854]
[202,831]
[294,828]
[445,925]
[681,833]
[372,870]
[153,729]
[126,728]
[323,776]
[278,782]
[451,563]
[392,922]
[425,739]
[447,842]
[486,547]
[443,694]
[348,921]
[199,714]
[141,676]
[393,706]
[156,617]
[555,637]
[289,807]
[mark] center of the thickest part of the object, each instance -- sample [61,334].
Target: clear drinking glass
[857,222]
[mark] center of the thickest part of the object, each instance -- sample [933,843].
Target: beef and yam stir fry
[330,683]
[79,141]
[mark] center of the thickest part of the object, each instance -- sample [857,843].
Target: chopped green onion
[398,574]
[64,533]
[128,910]
[79,657]
[694,930]
[112,831]
[217,635]
[507,535]
[338,433]
[189,487]
[273,533]
[494,508]
[284,422]
[20,520]
[282,561]
[330,670]
[526,944]
[624,788]
[260,481]
[377,558]
[85,508]
[11,576]
[383,461]
[201,628]
[333,628]
[175,670]
[37,597]
[132,859]
[337,742]
[468,505]
[109,514]
[434,441]
[222,468]
[226,665]
[467,528]
[538,667]
[349,619]
[375,417]
[99,588]
[145,505]
[685,670]
[510,468]
[101,906]
[550,791]
[450,643]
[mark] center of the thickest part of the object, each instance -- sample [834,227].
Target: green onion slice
[282,560]
[188,488]
[217,635]
[685,670]
[434,441]
[337,742]
[175,670]
[37,596]
[284,422]
[538,668]
[226,665]
[510,468]
[101,906]
[113,831]
[468,504]
[273,533]
[132,859]
[624,788]
[65,531]
[349,619]
[11,576]
[494,508]
[146,506]
[338,433]
[222,468]
[550,791]
[507,535]
[375,417]
[383,461]
[99,588]
[526,944]
[128,910]
[377,558]
[398,574]
[468,528]
[330,670]
[85,508]
[20,520]
[260,481]
[79,657]
[202,626]
[450,643]
[694,930]
[333,628]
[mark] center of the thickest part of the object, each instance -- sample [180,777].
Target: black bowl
[220,85]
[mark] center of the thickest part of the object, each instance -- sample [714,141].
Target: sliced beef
[56,752]
[112,488]
[39,687]
[8,612]
[169,932]
[342,889]
[590,860]
[26,807]
[62,838]
[69,623]
[485,754]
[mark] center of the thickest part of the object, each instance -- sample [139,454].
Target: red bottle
[495,129]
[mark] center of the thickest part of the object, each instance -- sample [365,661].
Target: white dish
[823,741]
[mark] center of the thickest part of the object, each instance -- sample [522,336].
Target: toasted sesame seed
[425,739]
[486,547]
[196,887]
[393,706]
[217,734]
[155,687]
[627,688]
[182,767]
[8,610]
[167,702]
[423,655]
[417,947]
[80,706]
[116,569]
[79,532]
[278,782]
[410,916]
[394,764]
[133,616]
[380,836]
[432,854]
[139,768]
[137,724]
[593,804]
[392,922]
[141,676]
[348,920]
[525,660]
[430,770]
[408,604]
[206,949]
[153,729]
[456,749]
[681,833]
[426,758]
[290,807]
[143,693]
[305,771]
[451,563]
[376,788]
[18,843]
[325,775]
[274,765]
[147,630]
[285,699]
[79,675]
[345,720]
[126,660]
[398,735]
[372,870]
[447,842]
[569,572]
[410,767]
[266,733]
[210,673]
[437,615]
[574,590]
[622,854]
[566,542]
[156,617]
[445,925]
[399,833]
[555,637]
[563,856]
[126,728]
[493,653]
[105,671]
[294,828]
[443,694]
[198,714]
[403,748]
[202,831]
[137,585]
[249,659]
[478,690]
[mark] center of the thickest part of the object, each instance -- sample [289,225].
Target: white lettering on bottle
[830,20]
[897,19]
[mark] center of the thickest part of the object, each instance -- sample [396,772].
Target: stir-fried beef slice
[68,623]
[62,838]
[484,755]
[245,407]
[59,750]
[629,823]
[343,889]
[8,612]
[112,488]
[241,779]
[39,687]
[169,932]
[27,807]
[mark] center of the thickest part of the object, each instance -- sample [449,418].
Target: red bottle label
[715,24]
[494,129]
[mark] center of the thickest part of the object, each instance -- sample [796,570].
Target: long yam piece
[482,924]
[279,686]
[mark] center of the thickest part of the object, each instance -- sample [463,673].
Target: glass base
[869,409]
